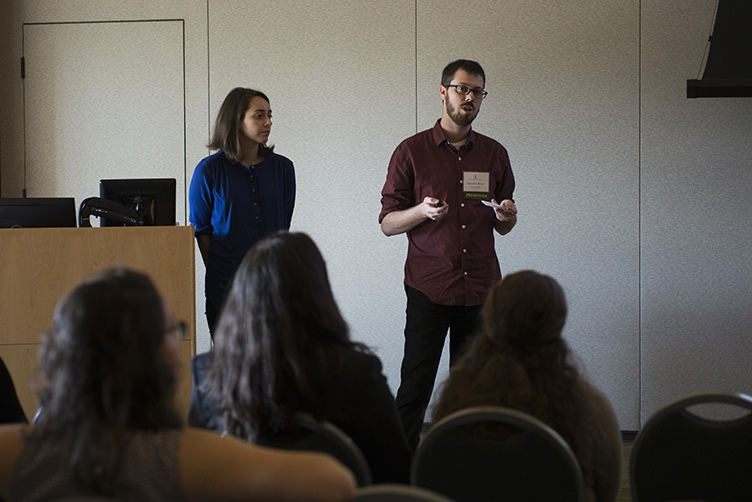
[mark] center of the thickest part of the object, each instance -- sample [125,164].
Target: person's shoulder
[414,144]
[418,139]
[12,437]
[280,160]
[487,140]
[593,392]
[216,158]
[360,363]
[599,402]
[11,445]
[214,161]
[15,430]
[202,362]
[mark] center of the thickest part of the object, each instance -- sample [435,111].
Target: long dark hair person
[102,374]
[228,126]
[276,339]
[521,361]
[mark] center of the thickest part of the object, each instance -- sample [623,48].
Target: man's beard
[458,117]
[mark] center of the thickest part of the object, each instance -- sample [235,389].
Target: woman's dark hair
[228,126]
[102,374]
[520,360]
[277,338]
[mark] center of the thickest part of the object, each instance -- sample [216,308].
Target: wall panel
[696,181]
[103,100]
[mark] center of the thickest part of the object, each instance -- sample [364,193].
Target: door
[103,100]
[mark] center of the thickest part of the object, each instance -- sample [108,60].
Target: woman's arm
[227,468]
[10,448]
[203,246]
[201,201]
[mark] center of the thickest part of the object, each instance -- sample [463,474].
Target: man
[437,188]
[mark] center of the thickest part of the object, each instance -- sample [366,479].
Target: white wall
[696,179]
[633,197]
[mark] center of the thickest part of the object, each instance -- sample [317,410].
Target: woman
[108,373]
[521,361]
[282,347]
[240,194]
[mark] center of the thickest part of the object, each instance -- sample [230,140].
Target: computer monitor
[152,198]
[37,212]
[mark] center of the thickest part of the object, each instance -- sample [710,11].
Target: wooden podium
[39,265]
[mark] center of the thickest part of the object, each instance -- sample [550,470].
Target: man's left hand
[508,211]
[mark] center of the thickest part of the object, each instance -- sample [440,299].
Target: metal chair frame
[323,437]
[679,455]
[496,469]
[388,492]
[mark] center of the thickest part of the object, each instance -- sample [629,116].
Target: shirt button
[463,226]
[460,182]
[465,273]
[464,250]
[462,205]
[460,158]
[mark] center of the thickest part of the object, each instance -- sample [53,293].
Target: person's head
[108,359]
[282,289]
[462,90]
[279,316]
[107,366]
[521,360]
[525,311]
[245,114]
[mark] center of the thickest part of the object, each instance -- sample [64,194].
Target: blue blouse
[238,206]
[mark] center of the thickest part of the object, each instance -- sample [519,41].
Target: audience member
[10,408]
[521,361]
[282,347]
[107,380]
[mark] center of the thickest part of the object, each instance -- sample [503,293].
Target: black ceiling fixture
[728,71]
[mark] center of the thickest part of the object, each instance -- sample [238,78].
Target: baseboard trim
[628,436]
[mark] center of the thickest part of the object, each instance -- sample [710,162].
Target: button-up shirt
[452,261]
[238,206]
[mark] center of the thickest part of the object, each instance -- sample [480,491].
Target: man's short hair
[470,67]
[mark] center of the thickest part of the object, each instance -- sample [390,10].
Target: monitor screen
[37,212]
[152,198]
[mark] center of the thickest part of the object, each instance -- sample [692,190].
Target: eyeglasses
[465,90]
[180,328]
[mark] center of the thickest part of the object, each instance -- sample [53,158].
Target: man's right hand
[434,209]
[398,222]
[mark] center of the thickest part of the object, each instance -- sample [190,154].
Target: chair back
[679,455]
[387,492]
[322,437]
[532,464]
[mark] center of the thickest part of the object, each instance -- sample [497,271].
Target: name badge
[475,185]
